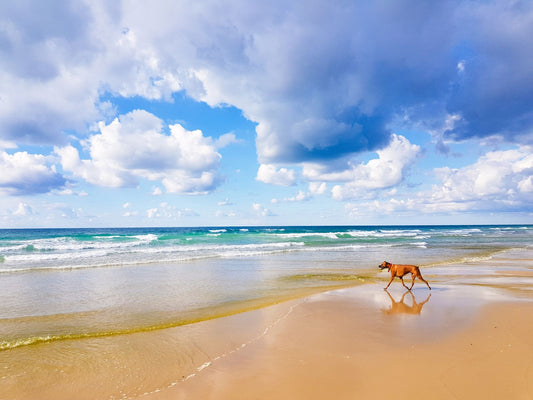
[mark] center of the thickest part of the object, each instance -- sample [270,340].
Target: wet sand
[470,337]
[459,341]
[329,348]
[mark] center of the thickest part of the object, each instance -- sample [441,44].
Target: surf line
[28,341]
[224,355]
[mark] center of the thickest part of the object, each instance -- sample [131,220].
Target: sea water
[58,284]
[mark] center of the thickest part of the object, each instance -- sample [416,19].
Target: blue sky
[178,113]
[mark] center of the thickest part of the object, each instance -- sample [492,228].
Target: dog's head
[384,265]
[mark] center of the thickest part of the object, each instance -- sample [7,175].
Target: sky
[217,113]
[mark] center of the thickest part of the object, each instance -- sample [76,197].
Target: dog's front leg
[391,279]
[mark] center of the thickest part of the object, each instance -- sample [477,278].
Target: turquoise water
[74,283]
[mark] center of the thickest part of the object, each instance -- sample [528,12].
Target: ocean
[66,284]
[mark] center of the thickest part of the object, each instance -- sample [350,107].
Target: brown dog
[401,270]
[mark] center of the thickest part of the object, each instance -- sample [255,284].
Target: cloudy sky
[189,113]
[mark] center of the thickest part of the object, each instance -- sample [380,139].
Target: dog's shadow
[400,307]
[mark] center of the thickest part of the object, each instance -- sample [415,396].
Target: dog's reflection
[400,307]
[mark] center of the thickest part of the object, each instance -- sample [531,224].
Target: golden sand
[334,348]
[462,340]
[471,337]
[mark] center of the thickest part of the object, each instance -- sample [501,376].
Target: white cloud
[526,185]
[133,147]
[383,172]
[225,202]
[499,176]
[262,211]
[23,174]
[226,140]
[55,73]
[4,144]
[498,181]
[317,83]
[268,173]
[23,209]
[228,214]
[69,192]
[358,179]
[300,196]
[168,211]
[319,87]
[317,187]
[152,212]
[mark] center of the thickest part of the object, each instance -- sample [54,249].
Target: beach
[316,354]
[465,343]
[341,336]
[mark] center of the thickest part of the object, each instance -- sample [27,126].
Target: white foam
[329,235]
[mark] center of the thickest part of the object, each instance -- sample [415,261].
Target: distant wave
[37,250]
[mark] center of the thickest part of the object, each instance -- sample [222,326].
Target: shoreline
[360,341]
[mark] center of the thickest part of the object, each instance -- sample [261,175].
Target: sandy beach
[468,338]
[463,342]
[323,351]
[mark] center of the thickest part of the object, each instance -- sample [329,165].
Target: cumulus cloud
[134,146]
[23,209]
[317,187]
[383,172]
[322,80]
[26,174]
[40,95]
[262,211]
[58,58]
[268,173]
[498,181]
[225,140]
[300,196]
[497,178]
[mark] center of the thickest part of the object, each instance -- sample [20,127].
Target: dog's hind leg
[413,281]
[419,276]
[426,282]
[403,283]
